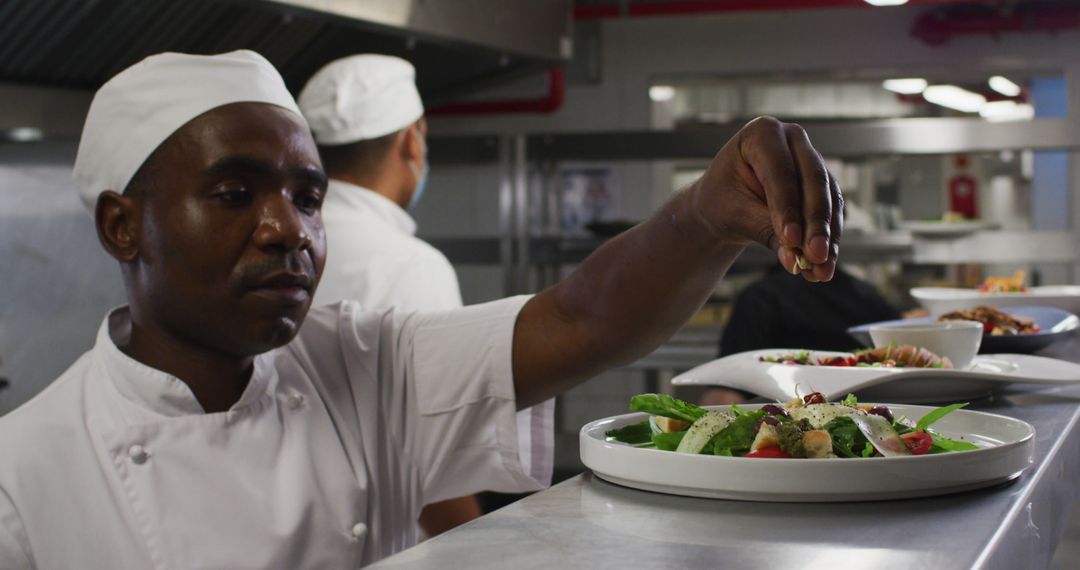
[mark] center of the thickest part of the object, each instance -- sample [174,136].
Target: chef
[220,422]
[366,116]
[368,121]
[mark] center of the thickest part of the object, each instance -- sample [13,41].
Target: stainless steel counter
[587,523]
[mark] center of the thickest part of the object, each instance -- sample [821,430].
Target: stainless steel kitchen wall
[57,282]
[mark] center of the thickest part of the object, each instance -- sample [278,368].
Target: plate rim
[874,374]
[963,293]
[744,371]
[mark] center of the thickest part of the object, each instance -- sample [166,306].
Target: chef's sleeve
[14,547]
[459,424]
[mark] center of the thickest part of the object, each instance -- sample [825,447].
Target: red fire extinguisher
[963,191]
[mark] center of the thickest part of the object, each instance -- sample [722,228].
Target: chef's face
[230,240]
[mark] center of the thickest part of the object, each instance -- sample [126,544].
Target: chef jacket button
[359,530]
[138,454]
[294,401]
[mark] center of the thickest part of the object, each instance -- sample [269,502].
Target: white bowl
[956,340]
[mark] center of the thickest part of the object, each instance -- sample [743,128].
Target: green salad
[809,427]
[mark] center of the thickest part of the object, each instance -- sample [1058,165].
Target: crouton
[818,443]
[669,425]
[766,437]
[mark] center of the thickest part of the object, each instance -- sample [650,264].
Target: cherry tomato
[772,452]
[988,328]
[918,442]
[838,361]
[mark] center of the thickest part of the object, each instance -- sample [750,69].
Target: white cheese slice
[702,431]
[820,414]
[881,434]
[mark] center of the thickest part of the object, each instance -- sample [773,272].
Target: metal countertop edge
[1021,504]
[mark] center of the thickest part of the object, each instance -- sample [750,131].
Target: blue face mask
[420,186]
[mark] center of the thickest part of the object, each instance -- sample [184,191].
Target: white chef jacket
[336,444]
[374,256]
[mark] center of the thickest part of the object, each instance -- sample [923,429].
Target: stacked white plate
[941,300]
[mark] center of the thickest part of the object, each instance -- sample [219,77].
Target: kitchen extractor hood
[457,45]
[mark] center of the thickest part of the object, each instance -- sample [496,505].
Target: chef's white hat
[143,105]
[361,97]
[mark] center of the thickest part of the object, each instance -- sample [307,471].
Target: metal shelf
[838,139]
[896,246]
[841,140]
[528,197]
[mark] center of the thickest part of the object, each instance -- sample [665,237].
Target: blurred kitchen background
[556,124]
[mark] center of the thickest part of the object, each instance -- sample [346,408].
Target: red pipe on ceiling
[549,103]
[933,28]
[937,27]
[684,7]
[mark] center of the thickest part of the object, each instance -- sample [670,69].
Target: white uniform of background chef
[366,115]
[339,439]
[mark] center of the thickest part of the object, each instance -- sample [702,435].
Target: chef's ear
[415,146]
[117,219]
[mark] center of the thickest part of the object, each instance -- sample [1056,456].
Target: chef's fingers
[816,196]
[764,147]
[789,260]
[825,271]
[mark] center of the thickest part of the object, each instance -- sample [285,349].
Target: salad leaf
[936,415]
[847,439]
[850,401]
[868,450]
[668,441]
[738,411]
[664,405]
[634,434]
[738,436]
[945,445]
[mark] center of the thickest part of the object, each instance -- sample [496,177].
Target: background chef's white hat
[361,97]
[143,105]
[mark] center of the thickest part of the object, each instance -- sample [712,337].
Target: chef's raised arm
[767,185]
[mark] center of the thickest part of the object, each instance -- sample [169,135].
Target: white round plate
[1006,448]
[945,229]
[783,382]
[941,300]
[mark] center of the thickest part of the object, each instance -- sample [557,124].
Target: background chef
[207,428]
[367,118]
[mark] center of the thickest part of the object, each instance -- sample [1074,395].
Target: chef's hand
[769,185]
